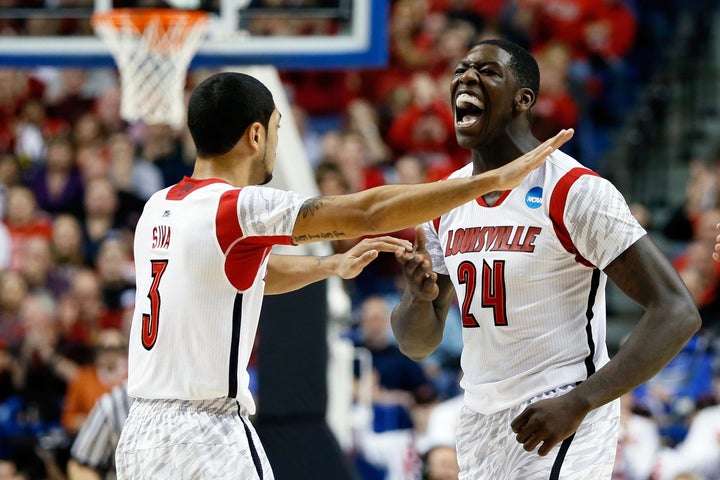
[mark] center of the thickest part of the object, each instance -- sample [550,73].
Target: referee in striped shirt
[93,452]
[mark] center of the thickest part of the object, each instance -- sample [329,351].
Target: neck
[233,172]
[502,149]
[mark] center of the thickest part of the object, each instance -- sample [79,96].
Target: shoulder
[569,178]
[562,167]
[270,196]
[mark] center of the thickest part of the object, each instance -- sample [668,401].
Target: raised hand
[417,269]
[512,174]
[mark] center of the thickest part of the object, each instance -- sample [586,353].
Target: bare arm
[394,207]
[716,253]
[287,273]
[671,318]
[418,320]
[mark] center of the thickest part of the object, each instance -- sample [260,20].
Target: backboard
[319,34]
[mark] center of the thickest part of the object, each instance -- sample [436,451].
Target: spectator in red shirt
[555,108]
[427,127]
[23,220]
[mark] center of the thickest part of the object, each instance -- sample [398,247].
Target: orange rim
[141,17]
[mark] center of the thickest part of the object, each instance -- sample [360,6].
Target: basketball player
[201,260]
[529,267]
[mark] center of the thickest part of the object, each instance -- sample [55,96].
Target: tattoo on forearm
[319,236]
[312,205]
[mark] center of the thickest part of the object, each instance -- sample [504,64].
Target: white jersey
[527,273]
[201,252]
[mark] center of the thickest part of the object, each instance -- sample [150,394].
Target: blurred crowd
[74,176]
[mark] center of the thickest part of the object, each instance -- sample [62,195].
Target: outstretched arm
[393,207]
[418,320]
[671,318]
[287,273]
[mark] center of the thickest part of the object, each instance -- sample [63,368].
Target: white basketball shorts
[488,449]
[176,439]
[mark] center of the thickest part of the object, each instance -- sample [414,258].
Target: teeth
[464,99]
[467,120]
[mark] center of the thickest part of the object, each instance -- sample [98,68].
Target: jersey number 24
[493,291]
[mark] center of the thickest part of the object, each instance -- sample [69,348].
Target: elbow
[691,315]
[694,320]
[415,355]
[686,315]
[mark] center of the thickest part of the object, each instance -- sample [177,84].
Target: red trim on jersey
[558,201]
[188,185]
[481,201]
[227,224]
[243,256]
[436,224]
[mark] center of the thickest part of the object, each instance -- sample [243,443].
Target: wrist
[329,265]
[486,182]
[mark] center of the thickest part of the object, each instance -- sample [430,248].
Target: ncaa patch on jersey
[533,198]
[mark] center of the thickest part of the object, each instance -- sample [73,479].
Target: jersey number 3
[150,320]
[493,291]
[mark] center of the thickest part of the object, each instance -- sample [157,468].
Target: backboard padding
[363,45]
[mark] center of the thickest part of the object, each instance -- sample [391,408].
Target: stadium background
[637,79]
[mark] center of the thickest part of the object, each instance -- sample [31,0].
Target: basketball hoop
[153,49]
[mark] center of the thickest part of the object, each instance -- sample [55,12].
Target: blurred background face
[21,206]
[87,296]
[410,169]
[112,261]
[13,289]
[36,261]
[60,155]
[111,356]
[100,198]
[375,322]
[442,464]
[66,236]
[38,315]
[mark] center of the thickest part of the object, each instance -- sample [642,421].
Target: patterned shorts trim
[193,440]
[488,449]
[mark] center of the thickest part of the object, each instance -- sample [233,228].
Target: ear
[524,99]
[255,135]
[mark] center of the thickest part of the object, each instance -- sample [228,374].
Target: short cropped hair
[222,107]
[522,63]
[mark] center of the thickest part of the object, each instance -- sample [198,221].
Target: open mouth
[468,110]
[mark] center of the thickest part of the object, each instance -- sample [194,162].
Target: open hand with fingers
[512,174]
[417,269]
[358,257]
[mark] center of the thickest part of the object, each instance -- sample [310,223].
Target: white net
[153,50]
